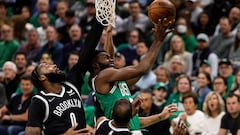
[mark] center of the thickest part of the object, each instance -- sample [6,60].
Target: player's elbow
[143,69]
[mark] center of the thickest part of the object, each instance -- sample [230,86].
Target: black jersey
[56,113]
[105,127]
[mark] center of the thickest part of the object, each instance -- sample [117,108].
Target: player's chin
[112,65]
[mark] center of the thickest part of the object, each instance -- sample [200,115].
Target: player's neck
[120,125]
[54,88]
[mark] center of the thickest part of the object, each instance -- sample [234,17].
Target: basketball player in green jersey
[111,84]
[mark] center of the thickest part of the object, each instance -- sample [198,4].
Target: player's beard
[56,77]
[103,66]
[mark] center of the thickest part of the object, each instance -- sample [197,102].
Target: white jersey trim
[116,129]
[46,107]
[73,87]
[101,122]
[53,94]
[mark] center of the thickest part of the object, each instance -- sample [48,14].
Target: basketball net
[105,12]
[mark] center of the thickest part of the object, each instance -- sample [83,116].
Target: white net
[105,12]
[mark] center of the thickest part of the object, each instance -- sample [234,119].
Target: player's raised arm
[111,75]
[77,72]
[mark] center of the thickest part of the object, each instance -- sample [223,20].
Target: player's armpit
[32,131]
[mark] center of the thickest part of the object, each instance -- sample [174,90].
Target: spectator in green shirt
[8,46]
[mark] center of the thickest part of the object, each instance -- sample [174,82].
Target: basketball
[160,9]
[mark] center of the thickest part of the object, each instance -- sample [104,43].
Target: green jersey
[107,101]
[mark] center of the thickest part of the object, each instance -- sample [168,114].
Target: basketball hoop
[105,12]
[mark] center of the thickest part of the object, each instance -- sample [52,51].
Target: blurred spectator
[205,66]
[149,79]
[53,47]
[204,25]
[30,68]
[14,115]
[204,3]
[202,53]
[226,71]
[177,47]
[183,86]
[221,43]
[88,19]
[236,84]
[61,9]
[42,6]
[63,32]
[19,31]
[136,19]
[184,30]
[129,51]
[159,94]
[218,9]
[20,59]
[176,68]
[195,10]
[191,115]
[213,107]
[72,60]
[204,86]
[10,80]
[25,13]
[163,76]
[230,121]
[8,46]
[234,54]
[18,5]
[141,49]
[3,97]
[234,19]
[43,20]
[220,86]
[3,9]
[76,43]
[32,47]
[119,60]
[46,58]
[148,108]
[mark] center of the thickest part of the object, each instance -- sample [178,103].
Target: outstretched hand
[161,29]
[136,105]
[73,131]
[180,129]
[169,111]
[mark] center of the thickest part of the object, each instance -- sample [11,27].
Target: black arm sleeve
[98,110]
[76,74]
[36,113]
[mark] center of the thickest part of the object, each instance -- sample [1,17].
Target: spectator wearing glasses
[226,71]
[220,86]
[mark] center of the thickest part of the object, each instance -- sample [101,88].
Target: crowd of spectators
[197,68]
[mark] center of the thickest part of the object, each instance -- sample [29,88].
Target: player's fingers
[84,130]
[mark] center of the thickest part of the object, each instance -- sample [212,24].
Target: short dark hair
[20,53]
[220,77]
[42,12]
[122,111]
[3,3]
[35,79]
[26,77]
[190,95]
[234,95]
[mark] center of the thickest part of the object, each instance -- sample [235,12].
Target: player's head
[101,60]
[122,111]
[46,73]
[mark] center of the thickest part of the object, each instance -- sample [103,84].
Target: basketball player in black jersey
[122,113]
[58,109]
